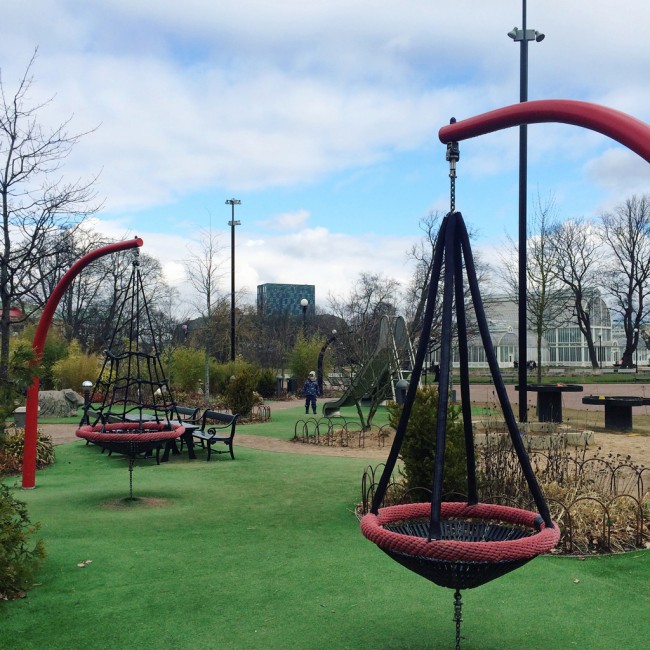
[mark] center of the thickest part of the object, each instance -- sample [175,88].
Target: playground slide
[376,374]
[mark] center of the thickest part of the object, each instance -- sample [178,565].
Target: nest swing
[137,414]
[458,545]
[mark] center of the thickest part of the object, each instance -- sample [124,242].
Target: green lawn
[284,420]
[265,552]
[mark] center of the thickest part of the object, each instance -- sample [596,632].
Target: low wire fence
[601,504]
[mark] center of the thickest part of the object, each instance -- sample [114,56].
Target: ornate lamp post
[304,303]
[87,386]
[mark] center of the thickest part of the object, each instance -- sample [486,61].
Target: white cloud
[242,95]
[287,220]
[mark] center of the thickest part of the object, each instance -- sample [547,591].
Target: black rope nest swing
[458,545]
[136,413]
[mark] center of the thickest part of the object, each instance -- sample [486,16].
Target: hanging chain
[453,156]
[458,616]
[136,257]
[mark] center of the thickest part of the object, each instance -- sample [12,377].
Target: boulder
[59,403]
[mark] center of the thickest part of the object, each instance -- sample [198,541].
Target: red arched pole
[623,128]
[31,415]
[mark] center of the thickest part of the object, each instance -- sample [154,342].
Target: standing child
[311,391]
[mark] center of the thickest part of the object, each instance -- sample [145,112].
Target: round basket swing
[456,544]
[136,413]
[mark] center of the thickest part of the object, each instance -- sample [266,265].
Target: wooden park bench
[216,427]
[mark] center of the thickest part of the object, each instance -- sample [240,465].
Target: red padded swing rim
[372,526]
[150,431]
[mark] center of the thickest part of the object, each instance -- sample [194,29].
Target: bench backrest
[187,413]
[222,418]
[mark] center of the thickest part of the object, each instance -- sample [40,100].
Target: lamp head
[304,302]
[539,37]
[513,33]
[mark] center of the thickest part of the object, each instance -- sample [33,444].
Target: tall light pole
[304,303]
[232,223]
[522,36]
[636,349]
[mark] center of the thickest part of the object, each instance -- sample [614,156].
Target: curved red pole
[31,415]
[623,128]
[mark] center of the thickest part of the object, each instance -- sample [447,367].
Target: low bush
[11,454]
[266,383]
[240,395]
[19,560]
[77,367]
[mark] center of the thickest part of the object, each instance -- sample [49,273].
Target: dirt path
[637,446]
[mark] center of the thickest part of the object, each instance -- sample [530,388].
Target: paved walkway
[486,393]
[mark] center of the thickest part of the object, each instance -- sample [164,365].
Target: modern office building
[274,299]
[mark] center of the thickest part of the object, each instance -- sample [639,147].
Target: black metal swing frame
[458,545]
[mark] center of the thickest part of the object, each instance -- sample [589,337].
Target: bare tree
[80,299]
[372,296]
[204,272]
[547,303]
[418,289]
[626,235]
[35,201]
[577,256]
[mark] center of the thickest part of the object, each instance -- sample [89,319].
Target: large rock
[59,403]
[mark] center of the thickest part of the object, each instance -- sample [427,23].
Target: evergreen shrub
[266,383]
[418,450]
[19,560]
[240,396]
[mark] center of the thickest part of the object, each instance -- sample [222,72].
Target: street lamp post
[636,349]
[232,223]
[522,36]
[304,303]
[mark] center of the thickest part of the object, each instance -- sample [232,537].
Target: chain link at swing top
[453,156]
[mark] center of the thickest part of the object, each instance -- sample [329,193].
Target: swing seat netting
[130,438]
[477,543]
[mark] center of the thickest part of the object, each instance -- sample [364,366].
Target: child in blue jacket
[311,391]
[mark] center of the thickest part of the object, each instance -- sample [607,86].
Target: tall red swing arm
[31,414]
[629,131]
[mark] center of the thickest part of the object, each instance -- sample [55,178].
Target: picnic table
[618,409]
[549,399]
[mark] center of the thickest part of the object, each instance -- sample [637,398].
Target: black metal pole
[523,216]
[232,223]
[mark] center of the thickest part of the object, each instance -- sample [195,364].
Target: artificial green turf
[264,552]
[285,422]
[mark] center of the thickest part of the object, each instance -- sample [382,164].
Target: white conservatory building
[562,346]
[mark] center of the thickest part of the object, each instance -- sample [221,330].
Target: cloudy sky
[322,116]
